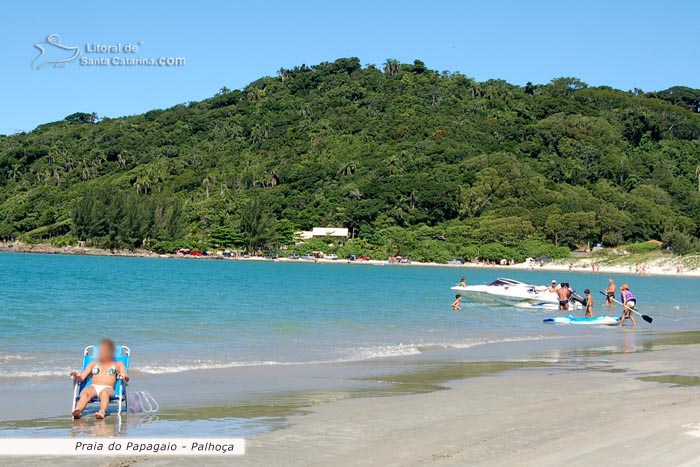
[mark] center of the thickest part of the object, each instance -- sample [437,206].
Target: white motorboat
[513,292]
[501,287]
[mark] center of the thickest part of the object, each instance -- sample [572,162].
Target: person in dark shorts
[564,294]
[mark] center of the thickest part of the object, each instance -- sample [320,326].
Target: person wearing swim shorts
[105,372]
[629,301]
[564,294]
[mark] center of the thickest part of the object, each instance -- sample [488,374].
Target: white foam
[419,348]
[351,355]
[695,429]
[33,373]
[209,365]
[398,350]
[9,358]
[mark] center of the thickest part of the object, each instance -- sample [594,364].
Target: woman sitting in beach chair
[103,379]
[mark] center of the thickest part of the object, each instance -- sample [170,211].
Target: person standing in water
[564,294]
[610,292]
[589,303]
[455,304]
[629,301]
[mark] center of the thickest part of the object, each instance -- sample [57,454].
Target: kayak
[599,320]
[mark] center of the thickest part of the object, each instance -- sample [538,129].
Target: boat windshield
[504,282]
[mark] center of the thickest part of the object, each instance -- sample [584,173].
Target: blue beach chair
[122,354]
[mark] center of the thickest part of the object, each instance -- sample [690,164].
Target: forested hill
[413,161]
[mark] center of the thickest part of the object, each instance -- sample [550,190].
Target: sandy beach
[622,407]
[666,265]
[538,417]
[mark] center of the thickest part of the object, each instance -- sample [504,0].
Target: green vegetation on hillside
[413,161]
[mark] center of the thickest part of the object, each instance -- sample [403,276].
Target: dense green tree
[226,237]
[110,218]
[257,226]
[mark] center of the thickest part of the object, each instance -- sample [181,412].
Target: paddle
[646,318]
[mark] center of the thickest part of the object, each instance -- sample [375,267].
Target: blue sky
[626,44]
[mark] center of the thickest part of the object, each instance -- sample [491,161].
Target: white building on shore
[338,233]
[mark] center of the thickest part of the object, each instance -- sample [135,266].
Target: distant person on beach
[455,304]
[610,292]
[105,372]
[629,301]
[564,294]
[463,281]
[589,303]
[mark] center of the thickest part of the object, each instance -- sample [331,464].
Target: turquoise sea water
[182,315]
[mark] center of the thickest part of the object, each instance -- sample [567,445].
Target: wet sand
[549,416]
[596,407]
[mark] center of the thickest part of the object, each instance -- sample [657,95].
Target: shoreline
[582,265]
[299,389]
[565,413]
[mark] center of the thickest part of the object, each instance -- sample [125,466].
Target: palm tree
[206,182]
[412,200]
[392,164]
[283,75]
[142,183]
[356,193]
[348,168]
[392,66]
[15,172]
